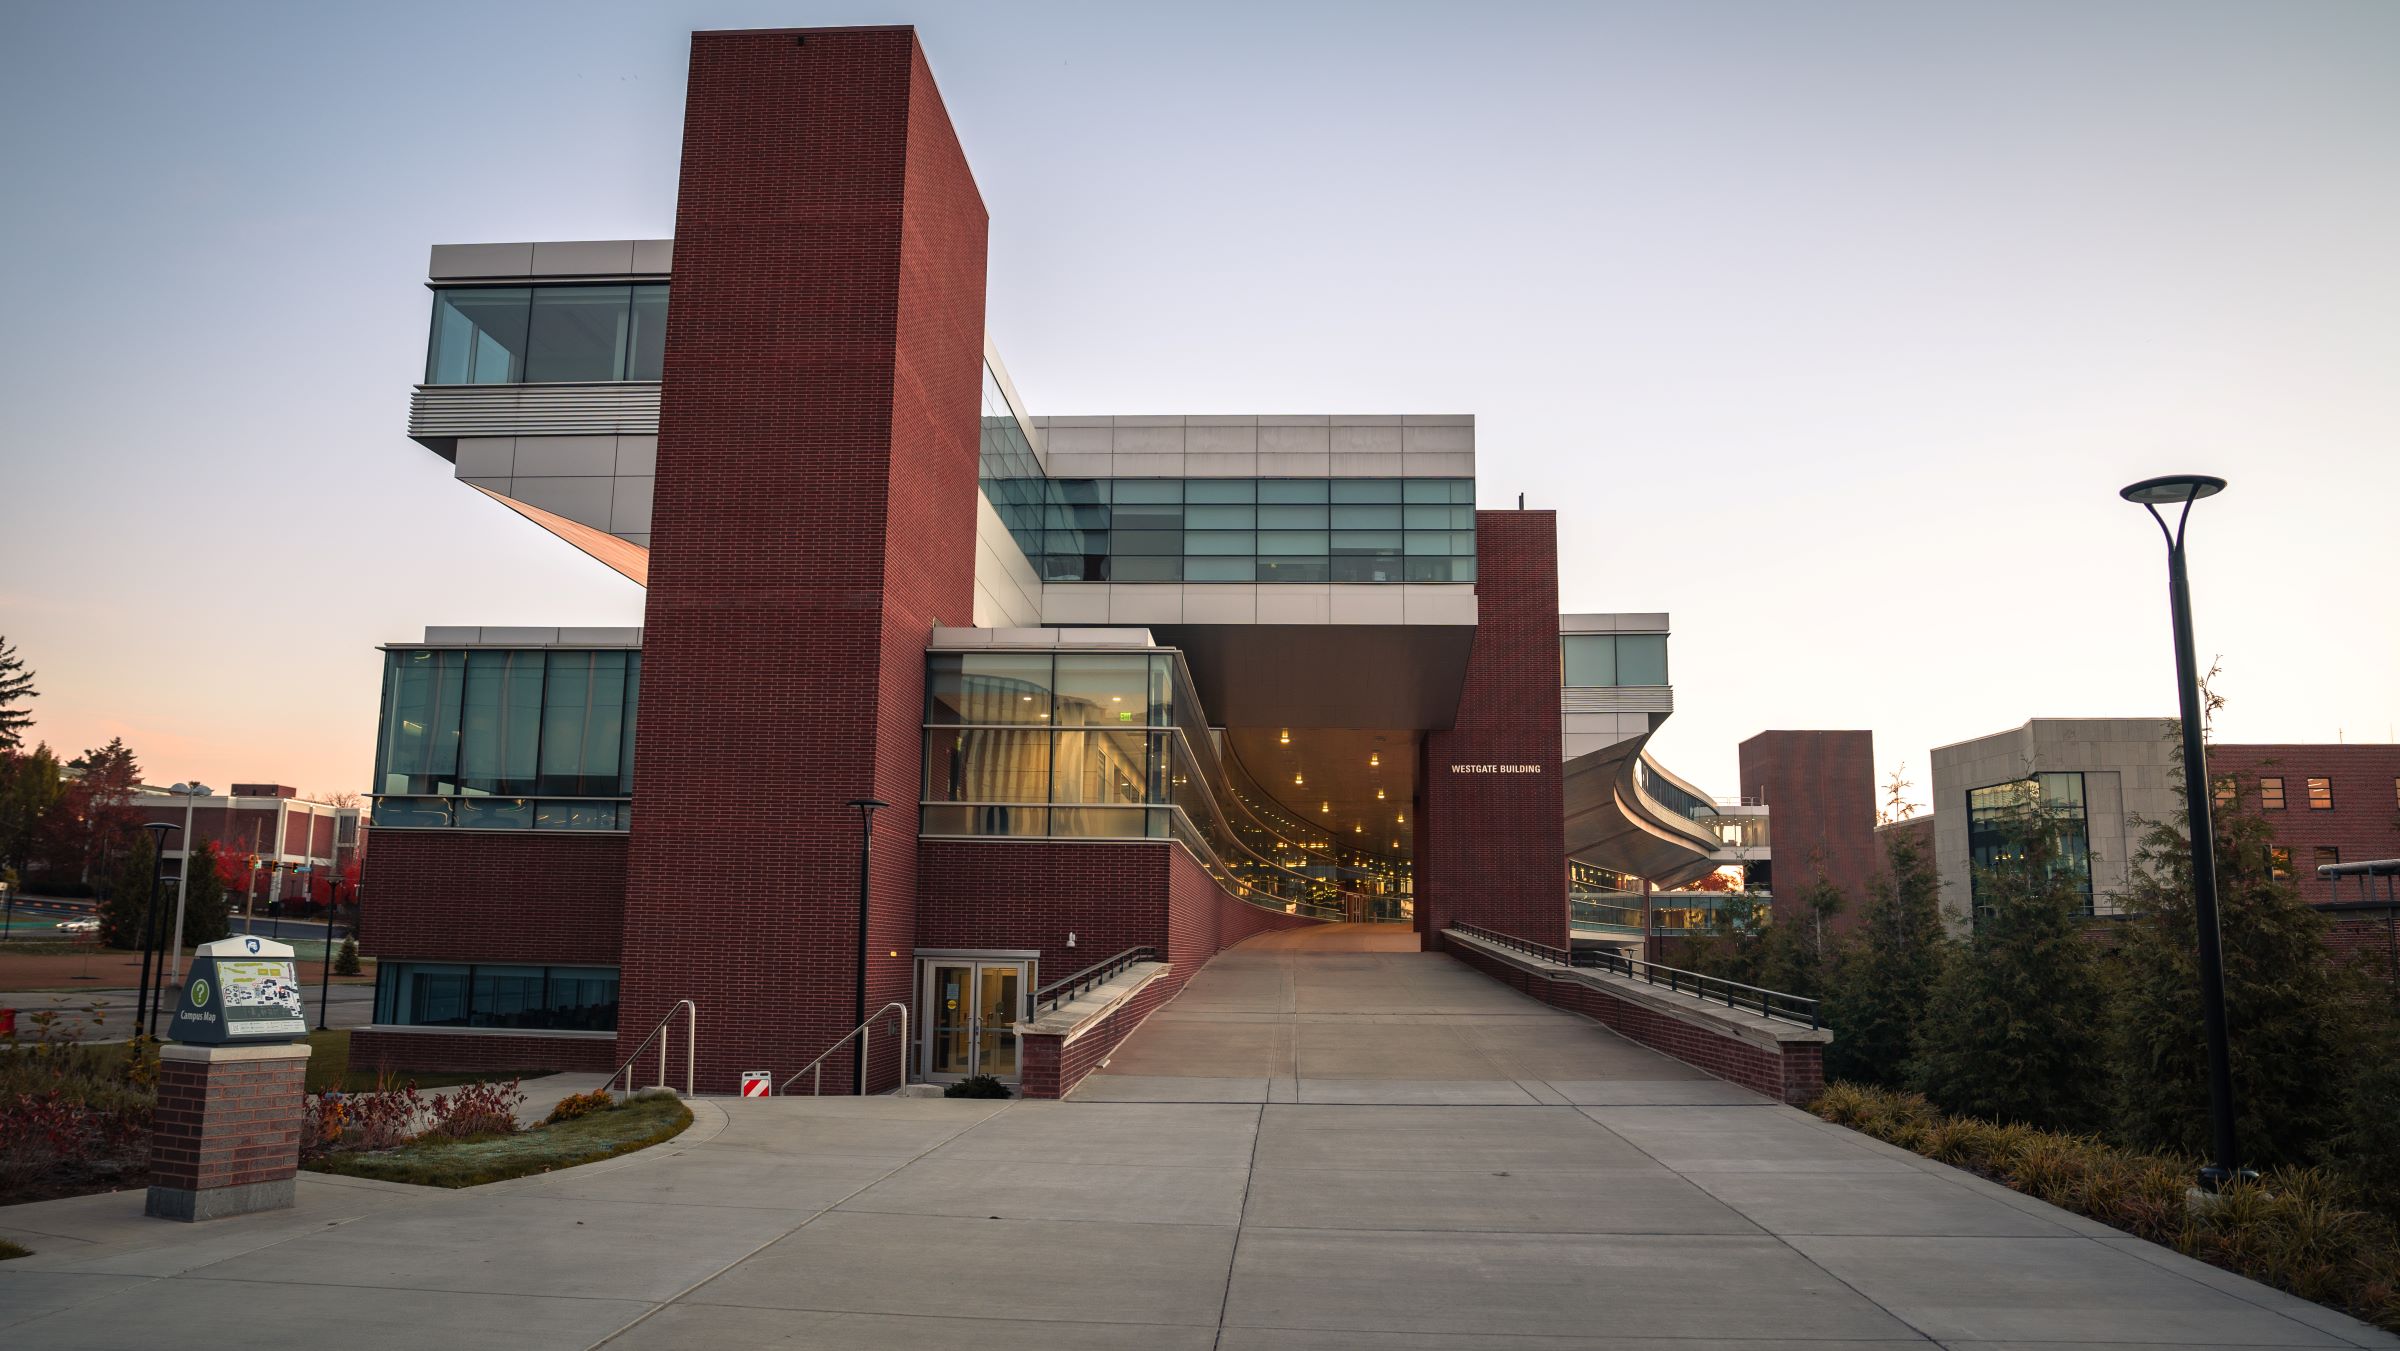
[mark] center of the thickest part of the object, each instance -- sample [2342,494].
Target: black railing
[1784,1008]
[1099,973]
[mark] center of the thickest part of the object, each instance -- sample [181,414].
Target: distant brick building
[292,849]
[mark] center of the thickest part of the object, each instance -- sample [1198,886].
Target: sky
[1831,329]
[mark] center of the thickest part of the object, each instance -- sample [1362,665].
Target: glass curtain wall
[507,335]
[1104,745]
[1612,660]
[507,739]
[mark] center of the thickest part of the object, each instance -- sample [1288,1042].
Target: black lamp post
[145,1000]
[867,807]
[2181,490]
[333,894]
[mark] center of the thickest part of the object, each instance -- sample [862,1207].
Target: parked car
[79,926]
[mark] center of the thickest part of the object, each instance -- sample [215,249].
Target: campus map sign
[243,990]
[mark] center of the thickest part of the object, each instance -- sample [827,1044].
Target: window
[503,335]
[2227,790]
[537,998]
[2270,794]
[2279,863]
[1605,660]
[478,337]
[578,333]
[1993,842]
[2320,795]
[2327,855]
[2396,792]
[503,731]
[1224,530]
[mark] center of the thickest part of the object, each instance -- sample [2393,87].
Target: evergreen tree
[2294,1018]
[31,789]
[16,686]
[128,900]
[1885,982]
[204,901]
[2013,1029]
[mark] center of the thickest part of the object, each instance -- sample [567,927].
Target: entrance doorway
[969,1006]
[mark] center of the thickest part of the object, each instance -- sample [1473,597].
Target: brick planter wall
[225,1138]
[1793,1073]
[1054,1064]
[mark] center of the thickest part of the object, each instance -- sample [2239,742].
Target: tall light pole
[867,807]
[191,793]
[2181,491]
[145,1000]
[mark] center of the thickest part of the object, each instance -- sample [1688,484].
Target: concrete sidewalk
[1639,1218]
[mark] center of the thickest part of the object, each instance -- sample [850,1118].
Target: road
[350,1006]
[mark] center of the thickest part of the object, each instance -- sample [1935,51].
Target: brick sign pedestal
[226,1136]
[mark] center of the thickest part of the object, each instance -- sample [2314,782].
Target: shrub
[580,1104]
[345,958]
[2300,1230]
[476,1109]
[978,1086]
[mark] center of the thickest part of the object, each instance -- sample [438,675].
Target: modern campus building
[1119,683]
[2107,778]
[291,849]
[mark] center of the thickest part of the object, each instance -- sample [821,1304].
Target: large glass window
[646,349]
[972,687]
[511,734]
[578,333]
[583,722]
[1606,660]
[533,998]
[1233,530]
[501,722]
[1994,830]
[500,335]
[987,764]
[1108,689]
[478,337]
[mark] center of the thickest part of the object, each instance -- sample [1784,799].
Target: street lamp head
[192,789]
[2172,489]
[162,827]
[869,803]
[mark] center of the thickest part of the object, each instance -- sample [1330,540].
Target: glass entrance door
[969,1009]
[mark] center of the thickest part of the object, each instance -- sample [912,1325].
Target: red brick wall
[1491,849]
[433,1050]
[1029,894]
[234,1123]
[2364,823]
[495,896]
[1819,788]
[1795,1075]
[813,518]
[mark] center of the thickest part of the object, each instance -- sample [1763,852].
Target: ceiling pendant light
[1286,738]
[1296,779]
[1375,759]
[1379,795]
[1324,806]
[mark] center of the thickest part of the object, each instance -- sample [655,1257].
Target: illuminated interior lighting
[1286,738]
[1296,779]
[1375,759]
[1379,795]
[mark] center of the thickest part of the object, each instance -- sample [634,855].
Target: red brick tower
[819,423]
[1491,843]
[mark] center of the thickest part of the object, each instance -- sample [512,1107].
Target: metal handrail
[691,1048]
[1099,973]
[863,1031]
[1787,1008]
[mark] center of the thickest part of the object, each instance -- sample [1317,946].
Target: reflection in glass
[578,333]
[970,687]
[478,337]
[646,350]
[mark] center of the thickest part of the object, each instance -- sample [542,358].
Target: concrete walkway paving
[1501,1177]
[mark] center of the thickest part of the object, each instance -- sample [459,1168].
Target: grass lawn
[329,1067]
[467,1163]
